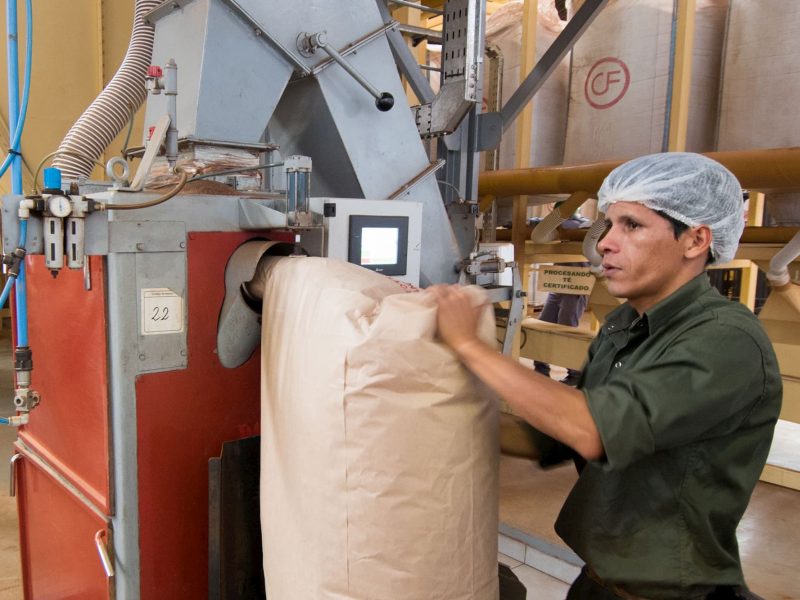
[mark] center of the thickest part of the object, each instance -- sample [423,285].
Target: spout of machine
[239,327]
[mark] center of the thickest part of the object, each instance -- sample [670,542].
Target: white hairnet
[688,187]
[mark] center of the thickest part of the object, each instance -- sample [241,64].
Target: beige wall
[77,47]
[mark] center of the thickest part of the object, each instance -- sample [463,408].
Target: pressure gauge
[59,206]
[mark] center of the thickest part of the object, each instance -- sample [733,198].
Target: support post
[681,75]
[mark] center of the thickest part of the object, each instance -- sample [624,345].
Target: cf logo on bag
[606,83]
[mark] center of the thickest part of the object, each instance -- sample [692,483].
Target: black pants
[585,588]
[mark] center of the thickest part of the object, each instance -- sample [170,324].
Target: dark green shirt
[685,398]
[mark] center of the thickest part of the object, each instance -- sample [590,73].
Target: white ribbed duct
[111,110]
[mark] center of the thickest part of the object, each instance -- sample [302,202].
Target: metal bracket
[515,311]
[148,236]
[422,115]
[150,153]
[490,130]
[471,268]
[162,10]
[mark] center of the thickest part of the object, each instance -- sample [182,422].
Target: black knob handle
[385,102]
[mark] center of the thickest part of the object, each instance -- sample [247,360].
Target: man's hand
[458,316]
[551,407]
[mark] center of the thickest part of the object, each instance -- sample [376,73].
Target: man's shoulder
[723,312]
[715,325]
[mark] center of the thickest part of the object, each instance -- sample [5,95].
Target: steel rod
[420,7]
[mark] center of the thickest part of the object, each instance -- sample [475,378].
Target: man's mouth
[609,269]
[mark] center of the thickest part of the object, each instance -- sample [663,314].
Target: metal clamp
[12,480]
[102,550]
[307,44]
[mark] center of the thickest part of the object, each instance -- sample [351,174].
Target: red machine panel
[183,418]
[57,531]
[67,333]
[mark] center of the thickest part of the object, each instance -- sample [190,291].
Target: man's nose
[607,242]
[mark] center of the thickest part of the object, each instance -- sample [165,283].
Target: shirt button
[618,364]
[611,326]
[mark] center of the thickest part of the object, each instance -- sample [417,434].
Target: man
[674,413]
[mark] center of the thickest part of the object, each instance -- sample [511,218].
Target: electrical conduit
[111,110]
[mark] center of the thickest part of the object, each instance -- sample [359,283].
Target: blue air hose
[21,291]
[17,117]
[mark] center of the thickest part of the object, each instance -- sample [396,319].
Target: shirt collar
[657,316]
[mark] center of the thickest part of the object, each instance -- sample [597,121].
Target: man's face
[642,260]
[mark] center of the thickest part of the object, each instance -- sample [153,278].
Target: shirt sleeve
[551,451]
[704,384]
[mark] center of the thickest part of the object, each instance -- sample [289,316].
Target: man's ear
[697,241]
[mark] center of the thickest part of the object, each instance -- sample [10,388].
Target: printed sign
[162,311]
[606,83]
[578,281]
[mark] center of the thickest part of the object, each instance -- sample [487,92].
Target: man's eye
[632,224]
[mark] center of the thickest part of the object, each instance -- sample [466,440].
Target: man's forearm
[551,407]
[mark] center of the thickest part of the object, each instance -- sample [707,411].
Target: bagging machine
[136,361]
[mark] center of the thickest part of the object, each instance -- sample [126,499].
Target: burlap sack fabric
[379,451]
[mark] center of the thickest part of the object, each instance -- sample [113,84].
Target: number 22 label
[162,311]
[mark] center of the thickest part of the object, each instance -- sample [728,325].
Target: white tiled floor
[785,451]
[507,560]
[511,548]
[539,585]
[550,565]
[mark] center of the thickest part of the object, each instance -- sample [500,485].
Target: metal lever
[12,480]
[103,552]
[308,43]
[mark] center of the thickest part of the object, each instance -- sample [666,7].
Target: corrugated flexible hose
[116,104]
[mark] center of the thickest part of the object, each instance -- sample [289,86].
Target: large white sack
[761,84]
[379,450]
[619,96]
